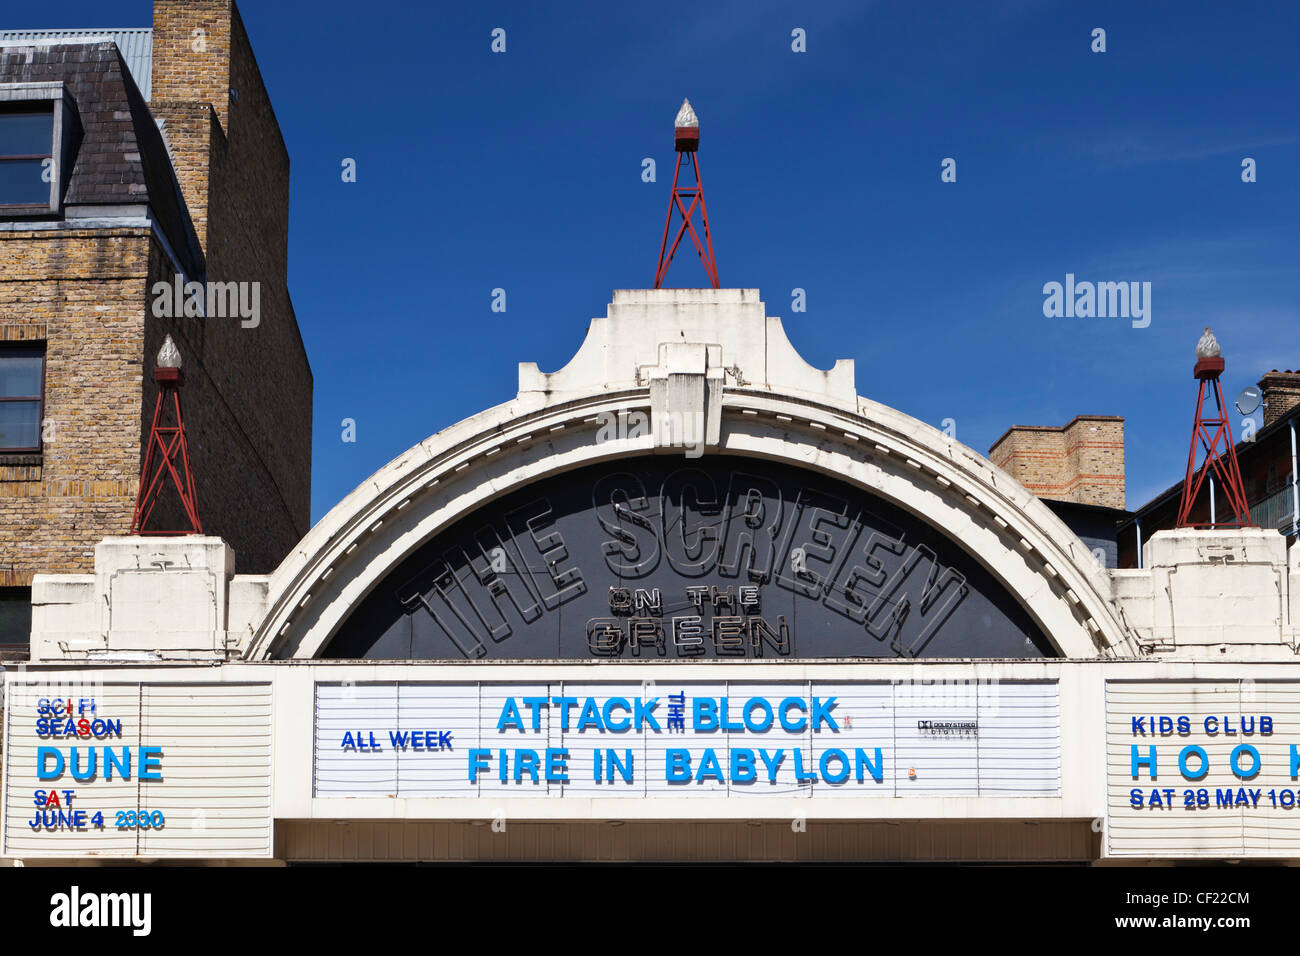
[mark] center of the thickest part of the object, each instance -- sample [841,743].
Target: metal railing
[1274,511]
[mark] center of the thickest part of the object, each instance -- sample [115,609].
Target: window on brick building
[15,622]
[22,397]
[26,154]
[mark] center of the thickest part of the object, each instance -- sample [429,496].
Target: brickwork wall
[85,294]
[191,91]
[237,170]
[1281,393]
[82,293]
[1082,462]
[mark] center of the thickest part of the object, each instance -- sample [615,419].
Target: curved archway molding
[562,422]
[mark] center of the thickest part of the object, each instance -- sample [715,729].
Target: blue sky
[522,170]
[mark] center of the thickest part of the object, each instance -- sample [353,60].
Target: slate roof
[136,46]
[122,158]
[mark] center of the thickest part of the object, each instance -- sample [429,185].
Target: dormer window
[26,154]
[36,133]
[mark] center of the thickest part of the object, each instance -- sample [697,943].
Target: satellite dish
[1249,400]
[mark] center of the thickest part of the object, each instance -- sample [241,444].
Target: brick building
[130,158]
[1078,471]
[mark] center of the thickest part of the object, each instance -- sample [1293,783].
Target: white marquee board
[860,738]
[1203,768]
[149,770]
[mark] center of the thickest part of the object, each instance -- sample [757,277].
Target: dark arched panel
[671,558]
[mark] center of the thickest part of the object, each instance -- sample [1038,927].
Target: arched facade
[790,415]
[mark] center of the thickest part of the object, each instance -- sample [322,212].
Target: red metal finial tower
[1209,366]
[167,455]
[687,140]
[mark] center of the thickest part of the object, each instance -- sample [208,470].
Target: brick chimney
[226,145]
[191,92]
[1281,394]
[1082,461]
